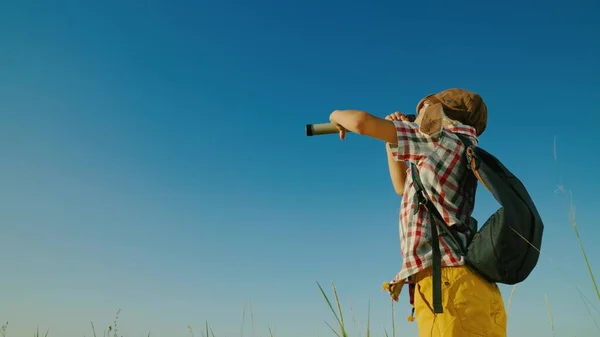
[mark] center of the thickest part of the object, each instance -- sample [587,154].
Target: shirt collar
[463,129]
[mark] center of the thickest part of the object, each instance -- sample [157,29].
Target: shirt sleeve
[413,144]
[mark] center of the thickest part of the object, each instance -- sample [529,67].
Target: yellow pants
[472,306]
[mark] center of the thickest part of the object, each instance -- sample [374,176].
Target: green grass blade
[561,189]
[328,302]
[3,329]
[332,329]
[369,320]
[510,300]
[587,307]
[340,322]
[93,329]
[251,320]
[393,320]
[588,300]
[585,258]
[243,320]
[550,319]
[337,301]
[355,321]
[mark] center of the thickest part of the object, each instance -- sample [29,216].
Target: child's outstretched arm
[365,124]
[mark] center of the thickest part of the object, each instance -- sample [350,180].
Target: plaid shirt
[442,169]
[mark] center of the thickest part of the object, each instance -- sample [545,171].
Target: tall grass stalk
[550,319]
[369,320]
[355,321]
[243,320]
[587,307]
[340,318]
[114,328]
[510,300]
[208,332]
[37,332]
[585,258]
[93,329]
[393,320]
[251,319]
[573,221]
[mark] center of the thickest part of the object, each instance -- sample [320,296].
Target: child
[471,305]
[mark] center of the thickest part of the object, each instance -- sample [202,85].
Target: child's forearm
[351,120]
[365,124]
[397,171]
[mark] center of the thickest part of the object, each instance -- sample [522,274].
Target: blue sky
[154,157]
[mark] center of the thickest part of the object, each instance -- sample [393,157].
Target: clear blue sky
[153,156]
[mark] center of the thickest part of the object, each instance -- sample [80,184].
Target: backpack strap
[471,159]
[437,219]
[471,166]
[465,140]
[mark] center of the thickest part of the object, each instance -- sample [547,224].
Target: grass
[550,319]
[573,221]
[510,298]
[338,316]
[335,307]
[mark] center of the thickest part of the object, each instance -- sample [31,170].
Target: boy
[471,305]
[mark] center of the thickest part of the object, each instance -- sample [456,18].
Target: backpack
[507,247]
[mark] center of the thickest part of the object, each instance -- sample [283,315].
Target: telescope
[329,128]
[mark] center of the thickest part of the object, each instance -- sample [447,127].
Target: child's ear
[431,121]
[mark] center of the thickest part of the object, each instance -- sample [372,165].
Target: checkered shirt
[442,169]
